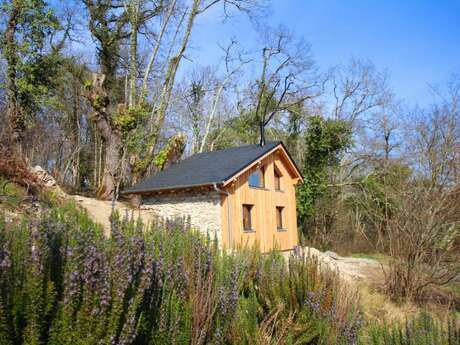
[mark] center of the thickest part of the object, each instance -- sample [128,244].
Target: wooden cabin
[242,196]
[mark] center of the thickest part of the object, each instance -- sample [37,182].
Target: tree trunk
[96,162]
[16,124]
[75,136]
[133,71]
[111,175]
[170,76]
[155,50]
[111,137]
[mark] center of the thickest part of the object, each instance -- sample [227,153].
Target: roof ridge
[237,147]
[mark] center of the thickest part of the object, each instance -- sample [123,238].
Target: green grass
[454,287]
[420,329]
[11,194]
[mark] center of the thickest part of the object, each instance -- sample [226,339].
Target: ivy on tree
[325,141]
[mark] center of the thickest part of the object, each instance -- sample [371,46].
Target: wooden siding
[265,234]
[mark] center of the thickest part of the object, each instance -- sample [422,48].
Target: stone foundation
[202,207]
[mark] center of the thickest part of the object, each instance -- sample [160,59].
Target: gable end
[282,151]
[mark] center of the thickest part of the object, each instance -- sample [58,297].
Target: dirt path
[349,268]
[100,210]
[367,276]
[359,268]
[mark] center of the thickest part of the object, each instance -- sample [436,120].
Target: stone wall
[203,207]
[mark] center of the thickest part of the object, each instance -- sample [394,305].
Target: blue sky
[416,42]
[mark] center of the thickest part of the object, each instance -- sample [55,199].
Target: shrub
[63,282]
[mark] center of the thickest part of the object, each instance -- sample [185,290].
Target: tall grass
[422,329]
[63,282]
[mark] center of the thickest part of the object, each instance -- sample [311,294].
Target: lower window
[279,217]
[247,217]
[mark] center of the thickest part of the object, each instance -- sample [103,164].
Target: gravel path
[349,268]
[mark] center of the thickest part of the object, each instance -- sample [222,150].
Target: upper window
[247,219]
[277,179]
[279,218]
[256,179]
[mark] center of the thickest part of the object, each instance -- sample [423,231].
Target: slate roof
[204,168]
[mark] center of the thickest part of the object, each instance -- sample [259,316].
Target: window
[277,180]
[256,179]
[279,218]
[247,222]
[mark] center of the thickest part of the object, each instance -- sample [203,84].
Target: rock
[43,176]
[332,255]
[310,251]
[9,216]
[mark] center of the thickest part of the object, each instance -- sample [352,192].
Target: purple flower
[5,257]
[222,300]
[313,301]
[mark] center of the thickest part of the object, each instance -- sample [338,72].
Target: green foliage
[87,84]
[11,194]
[423,329]
[391,178]
[35,64]
[161,158]
[127,119]
[245,128]
[325,141]
[132,123]
[172,150]
[240,130]
[375,197]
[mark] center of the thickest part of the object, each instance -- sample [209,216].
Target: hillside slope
[16,201]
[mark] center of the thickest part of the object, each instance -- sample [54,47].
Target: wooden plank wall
[265,201]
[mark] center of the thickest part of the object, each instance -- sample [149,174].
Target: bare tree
[116,117]
[422,231]
[287,77]
[421,212]
[435,140]
[231,70]
[361,97]
[198,7]
[357,89]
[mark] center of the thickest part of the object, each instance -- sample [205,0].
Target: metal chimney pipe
[262,134]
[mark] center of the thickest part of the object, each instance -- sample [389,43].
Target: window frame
[249,208]
[277,177]
[279,218]
[261,171]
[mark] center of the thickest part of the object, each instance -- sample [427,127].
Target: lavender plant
[63,282]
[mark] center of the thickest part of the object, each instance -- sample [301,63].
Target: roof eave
[299,173]
[163,189]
